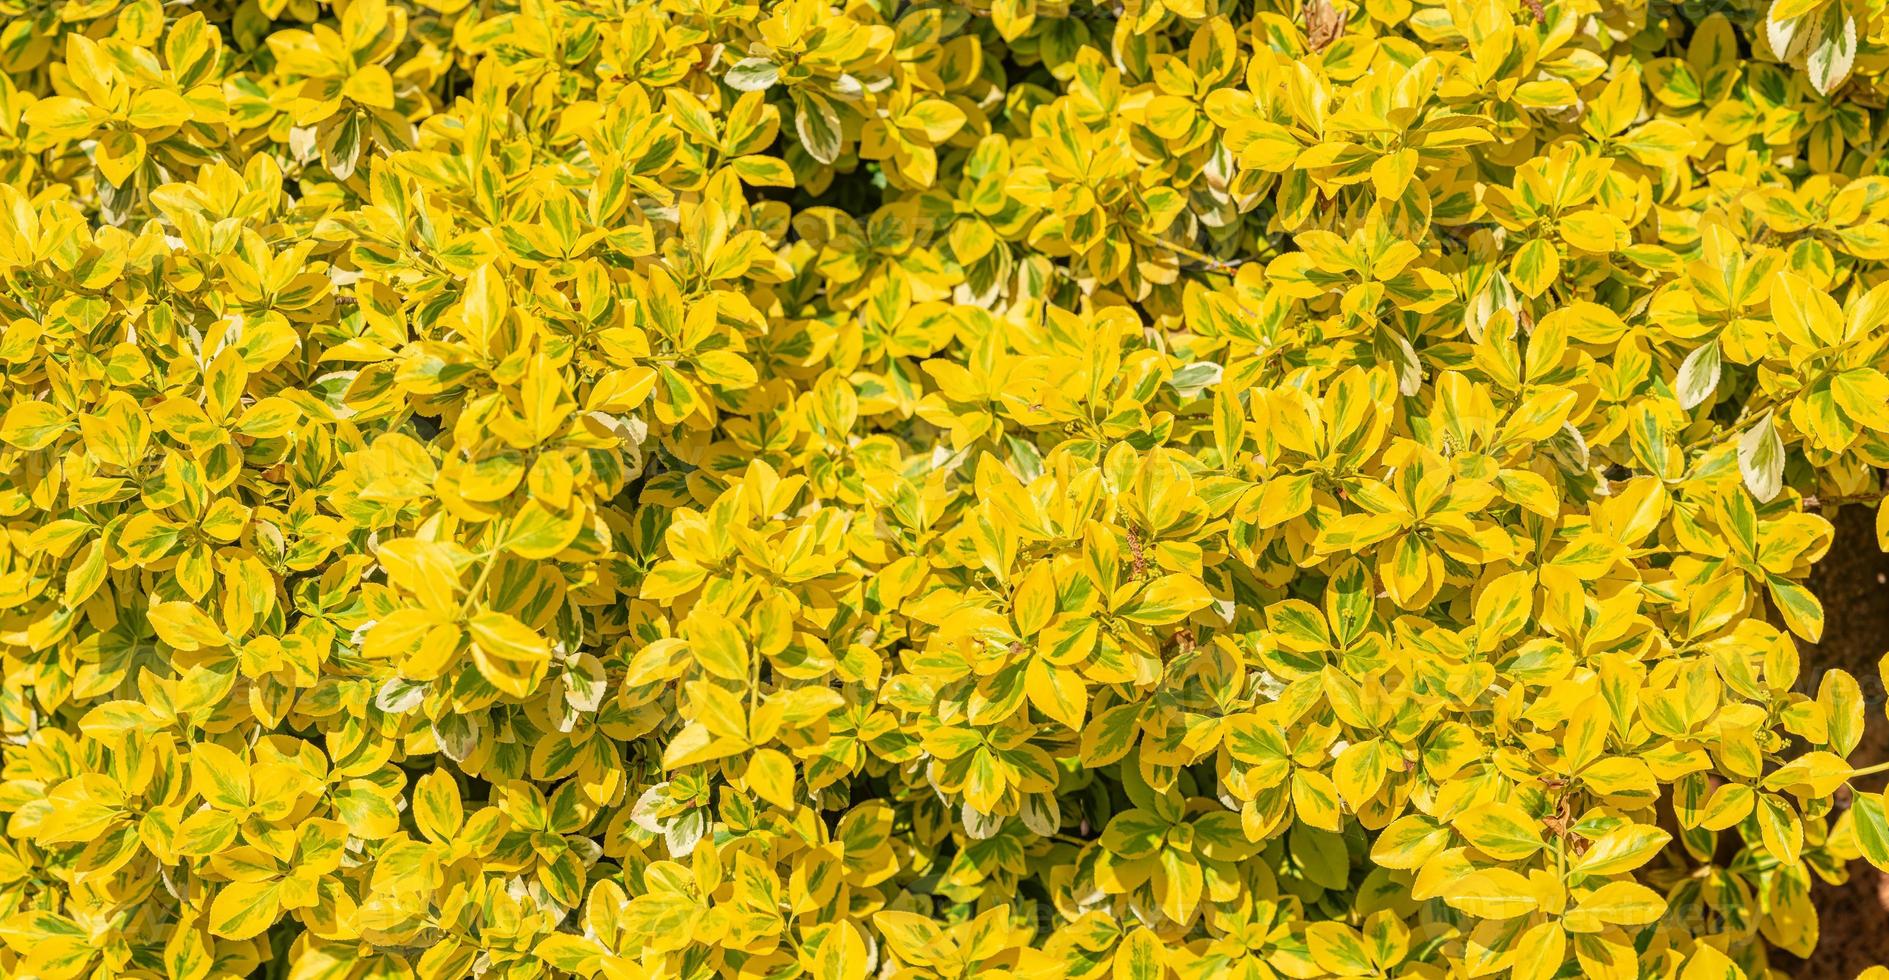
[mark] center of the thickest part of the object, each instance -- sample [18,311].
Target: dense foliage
[1174,488]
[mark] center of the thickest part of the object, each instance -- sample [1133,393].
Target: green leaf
[1761,459]
[1698,376]
[752,75]
[818,124]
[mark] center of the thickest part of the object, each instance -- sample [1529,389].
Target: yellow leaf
[1501,830]
[1491,893]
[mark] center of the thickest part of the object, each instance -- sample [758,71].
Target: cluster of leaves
[1047,488]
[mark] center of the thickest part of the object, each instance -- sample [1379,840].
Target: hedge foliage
[1046,489]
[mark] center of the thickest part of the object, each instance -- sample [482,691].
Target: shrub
[1178,488]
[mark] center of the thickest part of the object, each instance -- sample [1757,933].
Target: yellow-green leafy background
[1167,489]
